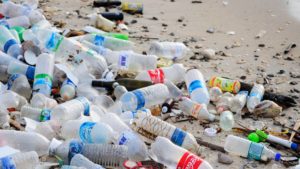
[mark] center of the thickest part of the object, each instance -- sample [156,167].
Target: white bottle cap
[211,132]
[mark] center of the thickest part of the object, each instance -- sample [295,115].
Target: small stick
[210,145]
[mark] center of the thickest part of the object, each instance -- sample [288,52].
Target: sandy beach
[235,23]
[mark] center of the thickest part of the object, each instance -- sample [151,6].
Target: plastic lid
[30,57]
[211,132]
[294,146]
[253,137]
[20,31]
[277,156]
[262,135]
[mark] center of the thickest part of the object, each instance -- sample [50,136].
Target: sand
[245,18]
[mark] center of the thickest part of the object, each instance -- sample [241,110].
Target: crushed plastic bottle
[170,50]
[224,102]
[16,67]
[215,94]
[226,120]
[239,101]
[28,160]
[255,96]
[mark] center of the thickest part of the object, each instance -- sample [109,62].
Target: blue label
[195,85]
[123,60]
[85,132]
[54,41]
[140,99]
[30,72]
[75,147]
[255,151]
[255,94]
[8,44]
[8,163]
[178,136]
[99,40]
[86,105]
[11,80]
[122,140]
[45,115]
[68,82]
[243,92]
[44,82]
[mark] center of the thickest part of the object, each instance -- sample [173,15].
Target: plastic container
[41,101]
[170,50]
[8,43]
[196,86]
[44,74]
[10,99]
[81,161]
[19,84]
[16,67]
[245,148]
[174,73]
[144,97]
[215,93]
[5,59]
[255,97]
[191,108]
[16,21]
[224,102]
[172,156]
[226,120]
[226,85]
[28,160]
[43,128]
[239,101]
[175,92]
[68,90]
[104,24]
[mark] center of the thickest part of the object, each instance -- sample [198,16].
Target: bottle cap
[253,137]
[294,146]
[277,157]
[211,132]
[262,135]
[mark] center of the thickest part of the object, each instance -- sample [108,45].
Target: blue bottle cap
[294,146]
[277,156]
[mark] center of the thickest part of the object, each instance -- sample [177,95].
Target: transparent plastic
[226,120]
[255,97]
[239,101]
[19,84]
[81,161]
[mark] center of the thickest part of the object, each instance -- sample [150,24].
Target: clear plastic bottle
[255,97]
[4,117]
[239,101]
[43,74]
[144,97]
[215,94]
[16,67]
[158,127]
[43,128]
[10,99]
[41,101]
[5,59]
[245,148]
[81,161]
[174,73]
[191,108]
[172,156]
[28,160]
[19,84]
[175,92]
[36,114]
[72,167]
[23,141]
[16,21]
[3,73]
[169,50]
[226,120]
[8,43]
[196,86]
[119,90]
[224,102]
[128,116]
[68,90]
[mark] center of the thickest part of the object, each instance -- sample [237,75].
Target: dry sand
[246,18]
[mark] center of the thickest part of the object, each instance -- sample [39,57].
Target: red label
[189,161]
[157,75]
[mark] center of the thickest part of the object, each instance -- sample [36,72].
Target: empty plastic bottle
[239,101]
[19,84]
[175,92]
[174,73]
[128,116]
[36,114]
[157,127]
[5,59]
[16,21]
[81,161]
[224,102]
[68,90]
[103,23]
[191,108]
[4,117]
[172,156]
[23,141]
[170,50]
[119,90]
[16,67]
[255,97]
[215,94]
[28,160]
[43,128]
[41,101]
[226,85]
[8,43]
[71,167]
[43,74]
[196,86]
[10,99]
[145,97]
[226,120]
[245,148]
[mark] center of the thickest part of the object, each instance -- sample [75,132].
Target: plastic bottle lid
[262,135]
[253,137]
[211,132]
[277,157]
[20,31]
[294,146]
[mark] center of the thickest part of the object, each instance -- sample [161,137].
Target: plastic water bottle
[41,101]
[16,67]
[215,94]
[224,102]
[119,90]
[43,74]
[239,101]
[28,160]
[172,156]
[226,85]
[175,92]
[103,23]
[10,99]
[68,90]
[81,161]
[128,116]
[36,114]
[16,21]
[170,50]
[256,94]
[8,43]
[4,117]
[23,141]
[157,127]
[43,128]
[5,59]
[174,73]
[245,148]
[19,84]
[144,97]
[226,120]
[3,73]
[196,86]
[191,108]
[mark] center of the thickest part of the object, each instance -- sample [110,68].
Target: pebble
[224,158]
[243,77]
[261,45]
[281,72]
[154,18]
[210,30]
[293,83]
[164,25]
[133,21]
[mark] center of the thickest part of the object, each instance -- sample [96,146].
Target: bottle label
[178,136]
[11,80]
[189,161]
[195,110]
[156,75]
[86,105]
[123,60]
[195,85]
[225,84]
[85,132]
[99,40]
[8,44]
[255,151]
[43,79]
[68,82]
[45,115]
[75,147]
[8,163]
[140,99]
[54,41]
[30,72]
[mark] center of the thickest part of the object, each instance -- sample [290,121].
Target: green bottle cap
[253,137]
[20,31]
[262,135]
[118,36]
